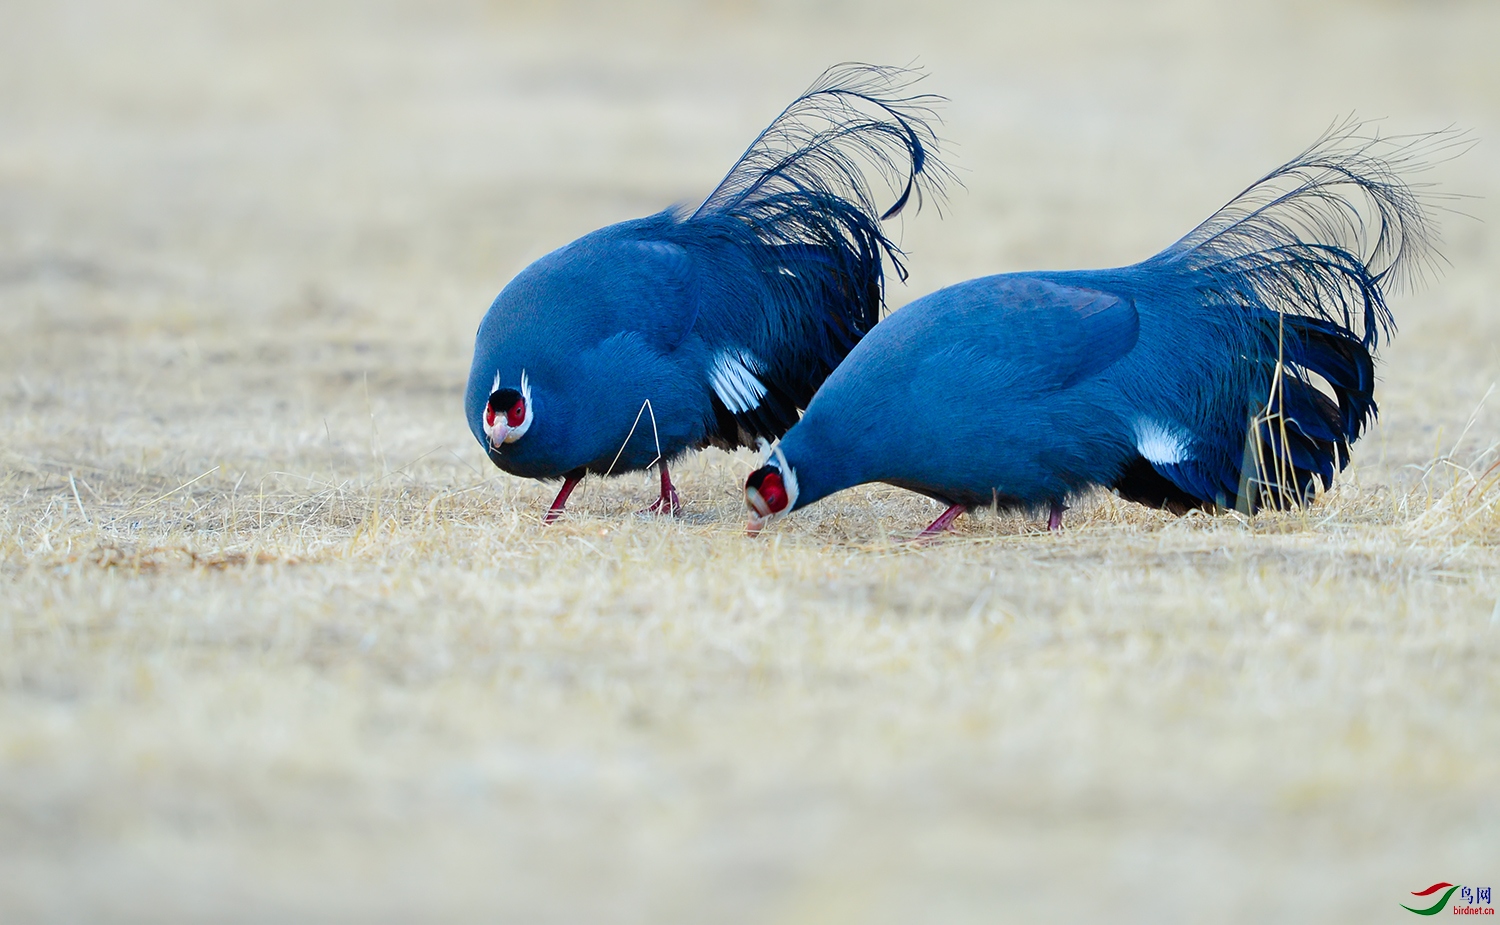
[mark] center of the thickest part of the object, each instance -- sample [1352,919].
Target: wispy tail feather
[855,121]
[1325,234]
[1304,259]
[802,199]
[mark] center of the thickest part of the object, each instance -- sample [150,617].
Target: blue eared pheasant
[1231,371]
[647,338]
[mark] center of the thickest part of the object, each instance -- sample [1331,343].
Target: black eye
[517,414]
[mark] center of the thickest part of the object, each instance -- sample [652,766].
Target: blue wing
[1054,328]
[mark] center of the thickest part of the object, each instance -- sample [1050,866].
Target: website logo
[1472,900]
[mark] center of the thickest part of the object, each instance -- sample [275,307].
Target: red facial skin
[774,491]
[513,418]
[766,496]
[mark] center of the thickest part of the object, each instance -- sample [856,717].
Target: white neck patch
[788,475]
[512,434]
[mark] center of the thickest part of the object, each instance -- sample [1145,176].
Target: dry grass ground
[277,645]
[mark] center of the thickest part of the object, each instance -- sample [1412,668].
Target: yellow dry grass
[276,644]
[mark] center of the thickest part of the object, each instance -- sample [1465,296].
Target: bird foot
[570,482]
[1054,519]
[942,525]
[669,504]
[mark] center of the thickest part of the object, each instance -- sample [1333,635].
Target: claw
[669,503]
[943,524]
[570,482]
[1054,519]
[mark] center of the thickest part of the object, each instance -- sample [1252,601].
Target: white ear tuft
[520,429]
[788,475]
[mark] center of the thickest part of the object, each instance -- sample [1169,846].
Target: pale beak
[497,434]
[760,512]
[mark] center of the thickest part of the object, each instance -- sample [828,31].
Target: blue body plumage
[1232,370]
[646,338]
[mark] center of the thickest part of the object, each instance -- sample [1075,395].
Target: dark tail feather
[1303,260]
[856,120]
[1335,354]
[1301,437]
[1324,235]
[1142,483]
[803,199]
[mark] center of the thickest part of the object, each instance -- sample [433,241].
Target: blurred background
[231,230]
[389,165]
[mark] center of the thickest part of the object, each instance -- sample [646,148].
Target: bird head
[770,491]
[508,413]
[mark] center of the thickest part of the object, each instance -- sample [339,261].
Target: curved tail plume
[855,117]
[805,203]
[1300,264]
[1325,234]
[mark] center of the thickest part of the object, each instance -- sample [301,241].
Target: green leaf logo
[1437,907]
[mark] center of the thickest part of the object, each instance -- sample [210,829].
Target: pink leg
[668,503]
[555,511]
[1054,520]
[942,524]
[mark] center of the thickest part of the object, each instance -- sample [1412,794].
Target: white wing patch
[1160,442]
[733,377]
